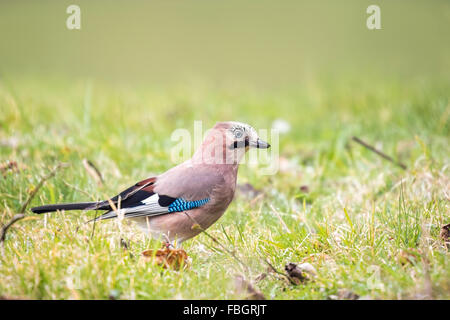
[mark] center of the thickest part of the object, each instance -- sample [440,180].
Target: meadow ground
[367,226]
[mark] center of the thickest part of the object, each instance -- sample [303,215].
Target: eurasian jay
[197,191]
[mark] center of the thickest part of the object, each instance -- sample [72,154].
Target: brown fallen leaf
[445,235]
[167,258]
[244,287]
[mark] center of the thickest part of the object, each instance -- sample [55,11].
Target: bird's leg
[168,245]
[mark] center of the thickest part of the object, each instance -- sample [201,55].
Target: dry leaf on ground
[167,258]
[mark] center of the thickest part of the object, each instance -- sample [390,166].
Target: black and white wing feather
[154,205]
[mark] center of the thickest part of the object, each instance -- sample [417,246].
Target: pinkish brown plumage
[198,190]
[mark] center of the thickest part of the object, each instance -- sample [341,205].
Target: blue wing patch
[182,205]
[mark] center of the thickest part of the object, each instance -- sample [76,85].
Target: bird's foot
[168,257]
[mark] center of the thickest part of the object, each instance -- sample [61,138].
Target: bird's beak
[260,144]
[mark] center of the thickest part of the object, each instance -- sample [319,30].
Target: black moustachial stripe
[240,144]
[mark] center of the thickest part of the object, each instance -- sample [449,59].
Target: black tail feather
[64,206]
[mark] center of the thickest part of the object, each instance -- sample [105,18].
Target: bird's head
[243,136]
[227,142]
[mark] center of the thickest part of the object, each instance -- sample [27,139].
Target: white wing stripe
[149,207]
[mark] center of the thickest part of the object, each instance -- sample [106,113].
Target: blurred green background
[268,43]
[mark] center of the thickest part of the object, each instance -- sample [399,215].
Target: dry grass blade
[77,189]
[283,224]
[197,225]
[93,171]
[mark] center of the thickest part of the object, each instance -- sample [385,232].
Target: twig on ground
[380,153]
[40,184]
[5,228]
[21,215]
[279,272]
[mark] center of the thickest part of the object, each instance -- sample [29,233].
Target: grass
[365,224]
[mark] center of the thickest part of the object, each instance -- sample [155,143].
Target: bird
[196,192]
